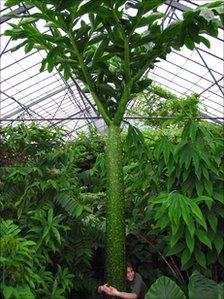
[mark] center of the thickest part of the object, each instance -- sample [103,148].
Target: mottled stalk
[115,226]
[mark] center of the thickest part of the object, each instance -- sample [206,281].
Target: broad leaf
[164,288]
[200,287]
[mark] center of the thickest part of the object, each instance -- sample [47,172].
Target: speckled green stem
[115,225]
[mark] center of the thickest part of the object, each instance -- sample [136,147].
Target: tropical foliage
[47,222]
[99,42]
[53,209]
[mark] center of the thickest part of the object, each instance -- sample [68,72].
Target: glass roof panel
[29,94]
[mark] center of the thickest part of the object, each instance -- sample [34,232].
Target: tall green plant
[179,206]
[40,192]
[191,209]
[24,263]
[101,45]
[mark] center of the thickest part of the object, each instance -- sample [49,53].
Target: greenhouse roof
[28,94]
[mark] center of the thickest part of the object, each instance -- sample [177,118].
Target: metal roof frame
[72,101]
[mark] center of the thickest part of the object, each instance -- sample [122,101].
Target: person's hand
[112,291]
[108,290]
[105,288]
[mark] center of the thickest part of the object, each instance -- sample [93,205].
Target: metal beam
[97,117]
[24,107]
[193,83]
[17,11]
[60,120]
[39,100]
[210,71]
[207,89]
[177,5]
[196,62]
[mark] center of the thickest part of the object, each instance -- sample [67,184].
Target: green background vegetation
[53,207]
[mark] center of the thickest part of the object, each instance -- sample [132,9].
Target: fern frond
[7,227]
[67,202]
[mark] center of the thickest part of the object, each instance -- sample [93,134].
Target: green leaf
[212,221]
[43,65]
[196,210]
[190,14]
[164,288]
[7,291]
[209,187]
[163,222]
[160,212]
[196,160]
[90,6]
[171,180]
[50,216]
[107,89]
[189,241]
[176,249]
[56,234]
[218,241]
[174,212]
[146,21]
[175,238]
[185,256]
[97,39]
[171,31]
[78,210]
[199,187]
[163,147]
[202,236]
[202,223]
[212,28]
[200,287]
[46,232]
[18,46]
[219,197]
[189,43]
[205,41]
[205,172]
[100,50]
[206,199]
[141,85]
[162,198]
[119,3]
[10,3]
[221,290]
[200,257]
[149,5]
[28,47]
[213,4]
[186,214]
[27,20]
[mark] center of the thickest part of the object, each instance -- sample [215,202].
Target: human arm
[114,292]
